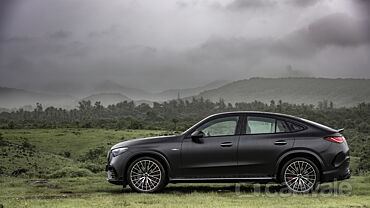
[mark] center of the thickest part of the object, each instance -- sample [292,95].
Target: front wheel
[146,175]
[300,175]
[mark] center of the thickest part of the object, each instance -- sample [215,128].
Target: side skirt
[221,180]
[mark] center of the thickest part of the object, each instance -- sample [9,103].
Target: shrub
[70,172]
[92,167]
[94,154]
[27,145]
[364,162]
[2,140]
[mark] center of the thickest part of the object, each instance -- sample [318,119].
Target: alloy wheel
[300,176]
[145,175]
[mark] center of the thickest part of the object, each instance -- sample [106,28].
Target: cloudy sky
[70,44]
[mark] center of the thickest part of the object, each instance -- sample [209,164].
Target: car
[257,147]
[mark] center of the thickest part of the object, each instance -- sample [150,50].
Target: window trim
[237,128]
[245,119]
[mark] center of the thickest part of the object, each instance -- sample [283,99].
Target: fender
[287,154]
[154,152]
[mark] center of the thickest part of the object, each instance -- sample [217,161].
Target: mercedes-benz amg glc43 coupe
[233,147]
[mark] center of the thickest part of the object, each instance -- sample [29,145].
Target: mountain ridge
[342,91]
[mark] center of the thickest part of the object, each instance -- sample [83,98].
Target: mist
[71,46]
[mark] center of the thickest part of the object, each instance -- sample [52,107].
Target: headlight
[119,151]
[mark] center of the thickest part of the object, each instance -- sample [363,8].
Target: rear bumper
[342,172]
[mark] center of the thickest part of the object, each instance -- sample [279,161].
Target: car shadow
[238,188]
[186,189]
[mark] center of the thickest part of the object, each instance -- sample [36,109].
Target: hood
[139,141]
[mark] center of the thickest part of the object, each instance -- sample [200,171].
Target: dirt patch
[64,196]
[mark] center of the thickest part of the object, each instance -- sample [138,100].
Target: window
[260,125]
[220,126]
[294,127]
[281,126]
[264,125]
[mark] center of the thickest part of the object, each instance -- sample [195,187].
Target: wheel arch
[312,156]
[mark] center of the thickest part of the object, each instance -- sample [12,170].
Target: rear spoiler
[340,130]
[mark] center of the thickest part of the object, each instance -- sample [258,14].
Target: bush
[364,162]
[92,167]
[70,172]
[96,154]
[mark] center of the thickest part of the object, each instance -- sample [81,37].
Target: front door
[213,155]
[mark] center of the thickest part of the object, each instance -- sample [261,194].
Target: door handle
[226,144]
[280,142]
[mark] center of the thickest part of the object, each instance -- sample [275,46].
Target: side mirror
[196,136]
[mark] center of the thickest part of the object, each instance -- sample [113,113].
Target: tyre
[300,175]
[146,175]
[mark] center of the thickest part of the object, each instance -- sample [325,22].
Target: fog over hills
[107,98]
[15,98]
[343,92]
[107,92]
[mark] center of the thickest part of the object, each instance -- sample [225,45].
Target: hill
[139,94]
[343,92]
[113,87]
[14,98]
[174,93]
[107,98]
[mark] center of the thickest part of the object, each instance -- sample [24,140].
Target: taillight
[336,139]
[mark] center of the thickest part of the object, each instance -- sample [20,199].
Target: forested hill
[343,92]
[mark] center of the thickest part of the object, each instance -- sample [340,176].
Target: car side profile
[233,147]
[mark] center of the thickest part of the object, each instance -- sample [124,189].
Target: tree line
[178,115]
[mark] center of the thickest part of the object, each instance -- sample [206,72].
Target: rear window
[294,127]
[319,125]
[264,125]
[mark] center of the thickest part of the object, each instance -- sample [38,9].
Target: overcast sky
[161,44]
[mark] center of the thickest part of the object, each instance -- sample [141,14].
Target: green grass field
[43,152]
[96,192]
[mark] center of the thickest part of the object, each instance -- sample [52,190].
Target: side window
[281,126]
[220,127]
[294,127]
[260,125]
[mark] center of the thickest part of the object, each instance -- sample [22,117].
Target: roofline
[298,119]
[257,112]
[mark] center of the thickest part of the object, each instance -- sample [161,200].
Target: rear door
[262,142]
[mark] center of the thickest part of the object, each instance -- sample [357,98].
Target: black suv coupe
[234,147]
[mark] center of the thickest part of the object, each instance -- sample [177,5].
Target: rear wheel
[300,175]
[146,175]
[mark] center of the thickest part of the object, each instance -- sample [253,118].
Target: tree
[175,121]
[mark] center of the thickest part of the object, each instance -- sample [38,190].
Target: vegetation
[55,153]
[96,192]
[178,115]
[64,167]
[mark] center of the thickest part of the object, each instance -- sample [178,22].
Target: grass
[96,192]
[46,149]
[43,151]
[75,141]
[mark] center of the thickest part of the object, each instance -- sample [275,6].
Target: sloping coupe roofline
[298,119]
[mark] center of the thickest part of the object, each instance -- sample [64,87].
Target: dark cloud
[6,9]
[363,6]
[337,29]
[172,45]
[60,34]
[303,3]
[250,4]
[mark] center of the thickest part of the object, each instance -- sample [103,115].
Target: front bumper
[112,176]
[116,167]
